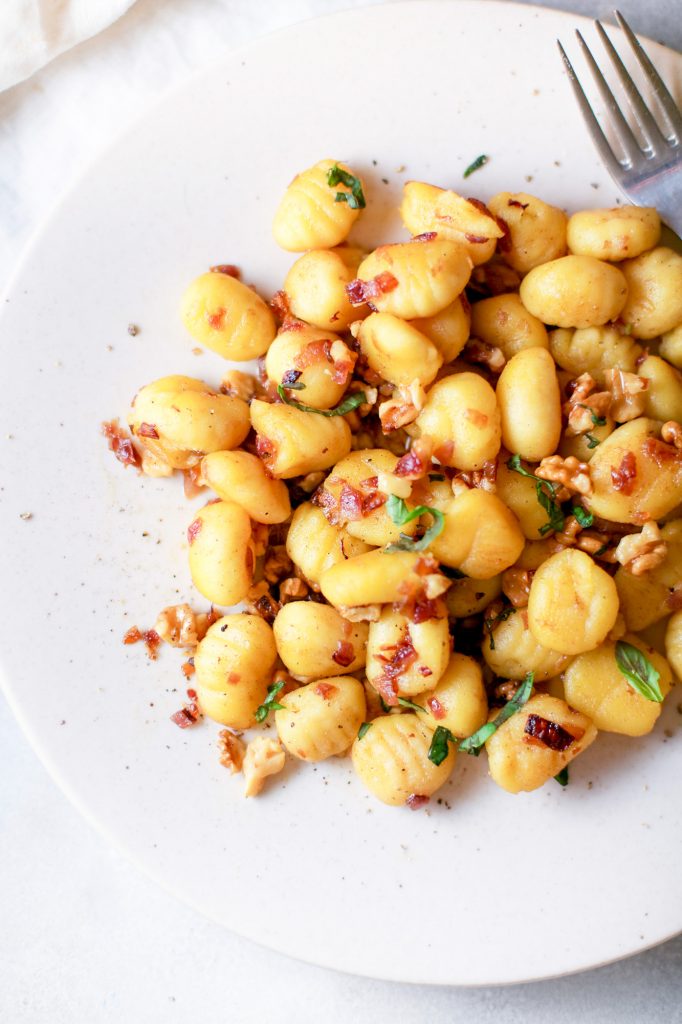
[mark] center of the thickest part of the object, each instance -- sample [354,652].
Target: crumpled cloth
[34,32]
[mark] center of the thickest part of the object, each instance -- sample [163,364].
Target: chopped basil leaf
[270,702]
[546,495]
[584,517]
[638,670]
[475,165]
[562,776]
[438,750]
[401,514]
[348,404]
[601,551]
[355,198]
[592,441]
[384,706]
[404,702]
[364,728]
[489,624]
[474,743]
[597,421]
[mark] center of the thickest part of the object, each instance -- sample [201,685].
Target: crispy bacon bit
[192,694]
[193,529]
[623,478]
[259,601]
[350,503]
[132,636]
[504,243]
[227,268]
[659,452]
[416,800]
[426,236]
[151,640]
[188,670]
[344,653]
[188,715]
[216,320]
[120,444]
[485,478]
[291,323]
[515,202]
[290,377]
[147,430]
[444,452]
[550,734]
[325,690]
[279,304]
[359,291]
[314,352]
[265,448]
[191,482]
[411,465]
[436,708]
[397,660]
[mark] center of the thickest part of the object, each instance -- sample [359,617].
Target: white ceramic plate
[482,888]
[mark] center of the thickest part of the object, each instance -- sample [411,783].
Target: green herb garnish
[404,702]
[474,743]
[546,495]
[384,706]
[364,728]
[585,518]
[475,165]
[597,421]
[401,514]
[592,441]
[562,776]
[270,702]
[638,670]
[355,198]
[489,624]
[348,404]
[438,750]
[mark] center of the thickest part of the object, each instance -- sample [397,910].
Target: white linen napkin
[33,32]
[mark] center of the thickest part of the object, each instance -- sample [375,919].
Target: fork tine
[594,128]
[669,107]
[620,126]
[647,123]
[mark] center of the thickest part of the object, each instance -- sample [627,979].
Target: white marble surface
[84,936]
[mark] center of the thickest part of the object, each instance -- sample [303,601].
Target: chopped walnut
[627,394]
[277,564]
[232,751]
[671,433]
[403,408]
[264,756]
[292,589]
[516,586]
[481,352]
[592,542]
[570,473]
[506,690]
[240,385]
[177,625]
[153,464]
[260,534]
[484,478]
[641,552]
[360,612]
[585,405]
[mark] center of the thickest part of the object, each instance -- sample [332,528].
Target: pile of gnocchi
[448,501]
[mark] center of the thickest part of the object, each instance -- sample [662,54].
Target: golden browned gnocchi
[448,496]
[225,315]
[310,216]
[177,420]
[392,760]
[321,719]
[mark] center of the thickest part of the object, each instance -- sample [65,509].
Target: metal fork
[649,174]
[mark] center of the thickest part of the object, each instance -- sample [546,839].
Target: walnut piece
[232,751]
[627,394]
[403,408]
[264,756]
[484,478]
[177,625]
[292,589]
[641,552]
[516,586]
[360,612]
[570,473]
[277,564]
[585,405]
[671,433]
[481,352]
[240,385]
[259,601]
